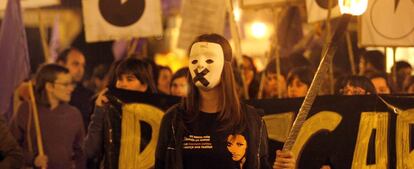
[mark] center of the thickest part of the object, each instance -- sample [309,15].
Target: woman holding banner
[104,131]
[211,128]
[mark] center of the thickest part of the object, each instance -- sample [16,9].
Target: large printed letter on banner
[322,121]
[405,156]
[318,10]
[369,122]
[388,23]
[130,156]
[121,19]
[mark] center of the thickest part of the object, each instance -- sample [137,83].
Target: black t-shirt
[204,147]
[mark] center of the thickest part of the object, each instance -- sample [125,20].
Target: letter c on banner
[324,120]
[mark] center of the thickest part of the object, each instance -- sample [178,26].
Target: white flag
[388,23]
[106,20]
[31,3]
[200,17]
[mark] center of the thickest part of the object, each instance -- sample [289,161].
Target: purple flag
[14,55]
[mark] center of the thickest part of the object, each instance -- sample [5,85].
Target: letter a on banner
[370,121]
[106,20]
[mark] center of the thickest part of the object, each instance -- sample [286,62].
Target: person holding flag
[61,124]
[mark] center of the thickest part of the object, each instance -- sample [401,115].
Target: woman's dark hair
[46,74]
[401,65]
[158,71]
[140,69]
[271,67]
[230,115]
[111,75]
[183,72]
[356,81]
[63,56]
[410,83]
[250,60]
[374,74]
[304,74]
[376,58]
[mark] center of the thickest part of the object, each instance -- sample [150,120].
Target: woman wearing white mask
[203,130]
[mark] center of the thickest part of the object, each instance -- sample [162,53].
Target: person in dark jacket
[211,128]
[11,155]
[74,60]
[103,139]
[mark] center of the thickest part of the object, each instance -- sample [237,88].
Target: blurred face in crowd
[61,89]
[75,63]
[350,90]
[381,86]
[272,83]
[179,87]
[164,80]
[410,89]
[206,64]
[130,82]
[297,88]
[247,71]
[404,76]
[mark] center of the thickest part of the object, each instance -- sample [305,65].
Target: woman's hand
[41,161]
[284,160]
[102,99]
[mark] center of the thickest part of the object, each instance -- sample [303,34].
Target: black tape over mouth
[199,77]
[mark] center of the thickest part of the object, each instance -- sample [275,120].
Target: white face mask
[206,64]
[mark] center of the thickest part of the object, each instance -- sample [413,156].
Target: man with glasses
[61,124]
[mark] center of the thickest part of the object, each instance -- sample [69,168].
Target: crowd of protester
[68,103]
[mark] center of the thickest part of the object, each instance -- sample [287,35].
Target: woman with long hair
[211,128]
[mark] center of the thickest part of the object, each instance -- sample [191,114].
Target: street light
[258,29]
[353,7]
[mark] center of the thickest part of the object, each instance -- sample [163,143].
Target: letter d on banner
[370,121]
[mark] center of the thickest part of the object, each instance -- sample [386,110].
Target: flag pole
[328,41]
[317,81]
[43,37]
[132,46]
[236,39]
[350,52]
[36,121]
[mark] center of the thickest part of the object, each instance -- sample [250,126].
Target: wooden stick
[328,41]
[316,82]
[394,70]
[350,52]
[236,39]
[132,46]
[43,38]
[36,121]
